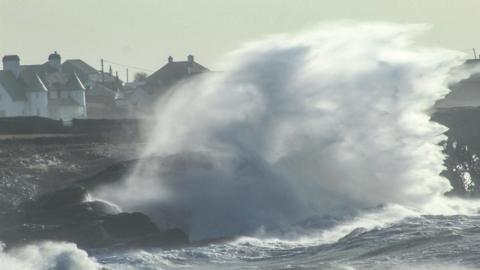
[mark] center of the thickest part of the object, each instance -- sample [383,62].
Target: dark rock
[110,175]
[76,212]
[103,208]
[89,231]
[128,225]
[118,172]
[62,198]
[462,149]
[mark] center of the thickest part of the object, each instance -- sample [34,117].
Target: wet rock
[62,198]
[90,225]
[65,215]
[128,225]
[111,174]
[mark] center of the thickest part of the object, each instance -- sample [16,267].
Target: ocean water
[416,242]
[424,242]
[315,150]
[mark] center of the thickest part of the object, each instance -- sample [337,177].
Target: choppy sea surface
[423,242]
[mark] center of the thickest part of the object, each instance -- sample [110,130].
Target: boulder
[62,198]
[129,225]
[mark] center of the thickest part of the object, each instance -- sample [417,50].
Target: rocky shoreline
[31,165]
[45,187]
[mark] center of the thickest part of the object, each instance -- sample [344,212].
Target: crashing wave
[327,122]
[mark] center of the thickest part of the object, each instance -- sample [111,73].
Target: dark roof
[73,75]
[48,75]
[11,57]
[74,83]
[173,72]
[14,87]
[41,70]
[472,61]
[35,85]
[78,66]
[101,91]
[85,72]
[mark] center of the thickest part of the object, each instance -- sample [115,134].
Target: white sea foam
[46,256]
[326,122]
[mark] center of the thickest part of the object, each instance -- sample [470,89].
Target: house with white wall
[40,90]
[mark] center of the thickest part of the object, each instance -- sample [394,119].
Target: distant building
[40,90]
[173,72]
[101,88]
[142,95]
[65,91]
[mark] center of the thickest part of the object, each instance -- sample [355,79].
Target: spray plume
[326,122]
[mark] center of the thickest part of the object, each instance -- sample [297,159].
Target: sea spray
[326,122]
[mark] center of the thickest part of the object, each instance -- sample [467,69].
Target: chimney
[190,59]
[170,59]
[12,64]
[55,60]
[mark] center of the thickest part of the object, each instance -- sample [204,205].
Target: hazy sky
[143,33]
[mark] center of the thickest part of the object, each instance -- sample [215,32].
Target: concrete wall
[99,129]
[30,125]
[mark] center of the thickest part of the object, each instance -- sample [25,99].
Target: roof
[101,91]
[78,66]
[73,75]
[49,76]
[175,71]
[85,72]
[74,83]
[36,85]
[28,71]
[13,86]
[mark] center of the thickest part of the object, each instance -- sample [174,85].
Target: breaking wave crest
[46,256]
[328,122]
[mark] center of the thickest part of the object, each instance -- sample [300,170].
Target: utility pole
[103,74]
[127,75]
[474,53]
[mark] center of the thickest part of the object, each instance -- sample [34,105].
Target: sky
[143,33]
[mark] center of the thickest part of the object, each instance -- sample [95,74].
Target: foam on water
[46,256]
[331,121]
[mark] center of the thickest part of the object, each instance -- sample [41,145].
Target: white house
[40,90]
